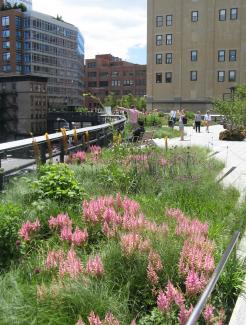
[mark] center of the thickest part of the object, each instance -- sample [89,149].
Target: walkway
[233,154]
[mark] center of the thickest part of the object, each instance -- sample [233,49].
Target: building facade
[196,52]
[23,102]
[33,43]
[27,3]
[107,74]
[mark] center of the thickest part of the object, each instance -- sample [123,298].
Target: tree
[235,109]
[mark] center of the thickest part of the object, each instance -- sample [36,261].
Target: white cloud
[114,27]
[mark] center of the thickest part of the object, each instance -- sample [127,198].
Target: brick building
[108,74]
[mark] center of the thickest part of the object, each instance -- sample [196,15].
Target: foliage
[59,18]
[56,182]
[234,110]
[81,109]
[153,119]
[9,6]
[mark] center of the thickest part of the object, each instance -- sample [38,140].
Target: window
[233,13]
[5,21]
[233,55]
[92,74]
[221,55]
[116,83]
[6,57]
[18,57]
[7,68]
[169,20]
[18,22]
[18,35]
[193,75]
[128,83]
[169,39]
[18,45]
[158,58]
[115,74]
[221,76]
[6,45]
[232,75]
[222,14]
[91,65]
[158,40]
[168,77]
[6,33]
[169,58]
[194,55]
[159,21]
[158,78]
[194,16]
[92,84]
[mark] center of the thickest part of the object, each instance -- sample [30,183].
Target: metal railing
[214,279]
[23,155]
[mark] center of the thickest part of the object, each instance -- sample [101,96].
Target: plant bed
[121,248]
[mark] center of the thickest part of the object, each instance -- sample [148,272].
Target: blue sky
[118,27]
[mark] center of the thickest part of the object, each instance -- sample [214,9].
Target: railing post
[43,153]
[1,179]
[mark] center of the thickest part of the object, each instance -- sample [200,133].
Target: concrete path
[233,154]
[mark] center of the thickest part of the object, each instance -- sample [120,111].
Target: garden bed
[113,235]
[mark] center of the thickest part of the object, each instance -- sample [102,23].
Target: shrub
[57,182]
[10,223]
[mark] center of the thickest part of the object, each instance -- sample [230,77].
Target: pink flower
[193,283]
[62,220]
[110,320]
[79,237]
[94,319]
[152,275]
[71,266]
[184,314]
[66,233]
[208,313]
[54,259]
[79,156]
[155,260]
[163,302]
[28,228]
[95,267]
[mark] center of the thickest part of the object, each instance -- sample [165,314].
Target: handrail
[214,279]
[12,145]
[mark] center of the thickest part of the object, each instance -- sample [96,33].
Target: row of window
[168,40]
[195,17]
[6,45]
[194,56]
[232,75]
[6,21]
[115,74]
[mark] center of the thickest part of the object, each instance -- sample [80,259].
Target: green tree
[235,109]
[110,100]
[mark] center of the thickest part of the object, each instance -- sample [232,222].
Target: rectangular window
[7,68]
[18,45]
[194,16]
[222,14]
[18,22]
[221,76]
[168,77]
[169,58]
[18,68]
[116,83]
[5,21]
[233,13]
[92,74]
[6,57]
[6,33]
[6,45]
[158,78]
[169,39]
[233,55]
[91,65]
[193,75]
[18,57]
[158,40]
[194,55]
[221,56]
[159,21]
[232,75]
[158,58]
[92,84]
[169,20]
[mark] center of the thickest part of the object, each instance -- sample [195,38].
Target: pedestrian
[207,120]
[181,124]
[133,115]
[198,119]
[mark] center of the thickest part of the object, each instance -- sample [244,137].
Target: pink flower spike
[94,319]
[208,313]
[95,267]
[110,320]
[163,303]
[28,228]
[79,237]
[80,322]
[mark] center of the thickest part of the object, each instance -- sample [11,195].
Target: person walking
[198,119]
[181,124]
[133,115]
[207,119]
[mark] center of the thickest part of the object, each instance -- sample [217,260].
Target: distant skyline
[118,27]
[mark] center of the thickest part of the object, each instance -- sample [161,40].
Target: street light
[66,123]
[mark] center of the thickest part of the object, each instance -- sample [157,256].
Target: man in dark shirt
[138,133]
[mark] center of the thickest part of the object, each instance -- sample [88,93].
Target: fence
[26,153]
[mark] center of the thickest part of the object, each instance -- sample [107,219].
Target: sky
[118,27]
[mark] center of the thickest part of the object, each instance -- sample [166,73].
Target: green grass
[187,182]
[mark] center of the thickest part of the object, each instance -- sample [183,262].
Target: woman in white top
[181,124]
[207,119]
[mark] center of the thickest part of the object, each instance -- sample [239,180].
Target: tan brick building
[196,51]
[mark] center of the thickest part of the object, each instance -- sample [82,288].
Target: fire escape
[8,114]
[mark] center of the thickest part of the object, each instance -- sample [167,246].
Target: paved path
[233,154]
